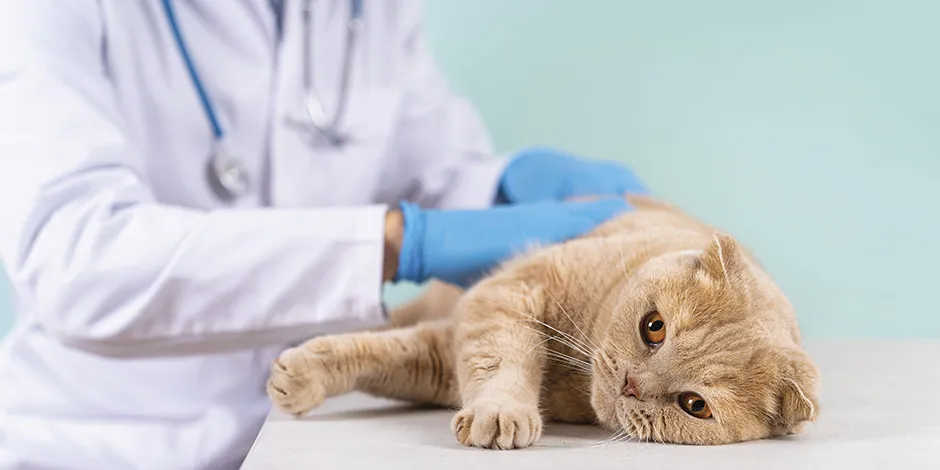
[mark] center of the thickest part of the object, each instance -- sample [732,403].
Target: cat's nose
[630,388]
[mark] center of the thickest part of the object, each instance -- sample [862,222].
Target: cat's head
[702,352]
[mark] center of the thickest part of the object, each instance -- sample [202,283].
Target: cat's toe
[294,385]
[498,425]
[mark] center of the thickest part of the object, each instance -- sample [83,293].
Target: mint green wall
[808,128]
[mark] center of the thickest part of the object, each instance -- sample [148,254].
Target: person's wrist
[394,231]
[411,244]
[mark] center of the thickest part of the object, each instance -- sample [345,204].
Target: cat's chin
[605,409]
[612,410]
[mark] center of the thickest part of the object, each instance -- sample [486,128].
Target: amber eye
[695,405]
[653,329]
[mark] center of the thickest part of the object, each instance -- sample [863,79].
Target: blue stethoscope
[226,174]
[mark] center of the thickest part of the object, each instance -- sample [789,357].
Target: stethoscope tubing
[226,174]
[204,99]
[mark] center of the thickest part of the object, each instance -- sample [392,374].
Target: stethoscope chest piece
[226,175]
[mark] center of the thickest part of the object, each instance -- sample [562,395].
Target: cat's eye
[653,329]
[694,405]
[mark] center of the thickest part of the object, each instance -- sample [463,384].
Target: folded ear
[722,259]
[797,400]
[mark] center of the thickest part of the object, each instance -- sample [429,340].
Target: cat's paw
[498,424]
[296,382]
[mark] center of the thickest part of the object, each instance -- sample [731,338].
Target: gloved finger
[629,183]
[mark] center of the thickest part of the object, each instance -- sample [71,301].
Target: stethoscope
[225,173]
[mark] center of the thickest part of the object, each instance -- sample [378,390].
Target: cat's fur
[554,334]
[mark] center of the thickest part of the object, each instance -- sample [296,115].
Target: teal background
[809,129]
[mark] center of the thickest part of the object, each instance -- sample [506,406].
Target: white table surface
[880,410]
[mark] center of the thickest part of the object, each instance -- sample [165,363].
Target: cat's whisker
[578,365]
[638,426]
[540,343]
[599,303]
[659,441]
[586,338]
[583,373]
[531,317]
[653,438]
[615,438]
[623,264]
[649,432]
[575,368]
[574,362]
[610,311]
[564,341]
[568,340]
[572,358]
[570,364]
[583,347]
[644,435]
[606,359]
[626,437]
[583,390]
[561,340]
[662,428]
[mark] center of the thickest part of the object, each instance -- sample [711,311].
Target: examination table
[880,409]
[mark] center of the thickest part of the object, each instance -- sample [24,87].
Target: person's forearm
[150,279]
[394,229]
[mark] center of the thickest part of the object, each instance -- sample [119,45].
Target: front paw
[498,424]
[296,382]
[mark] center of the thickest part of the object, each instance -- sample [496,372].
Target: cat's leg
[499,365]
[413,364]
[436,301]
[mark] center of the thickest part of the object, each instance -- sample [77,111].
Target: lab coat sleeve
[105,267]
[440,135]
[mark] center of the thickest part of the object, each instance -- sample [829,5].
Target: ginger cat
[653,326]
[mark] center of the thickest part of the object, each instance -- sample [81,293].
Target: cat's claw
[293,385]
[498,425]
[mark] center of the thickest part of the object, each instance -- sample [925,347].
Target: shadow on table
[430,426]
[416,420]
[391,411]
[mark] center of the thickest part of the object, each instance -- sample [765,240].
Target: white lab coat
[149,312]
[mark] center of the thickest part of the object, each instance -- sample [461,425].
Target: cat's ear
[797,401]
[722,259]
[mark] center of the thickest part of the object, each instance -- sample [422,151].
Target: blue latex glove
[460,246]
[544,174]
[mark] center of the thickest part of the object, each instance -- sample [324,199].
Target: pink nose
[630,388]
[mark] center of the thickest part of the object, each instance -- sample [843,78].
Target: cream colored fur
[554,334]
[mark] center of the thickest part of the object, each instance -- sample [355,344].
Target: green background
[808,129]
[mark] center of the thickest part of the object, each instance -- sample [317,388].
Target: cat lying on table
[653,325]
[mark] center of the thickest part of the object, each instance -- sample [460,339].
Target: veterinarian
[191,186]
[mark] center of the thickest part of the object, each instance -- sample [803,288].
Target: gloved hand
[460,246]
[543,174]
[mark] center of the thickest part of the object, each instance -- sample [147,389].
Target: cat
[654,325]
